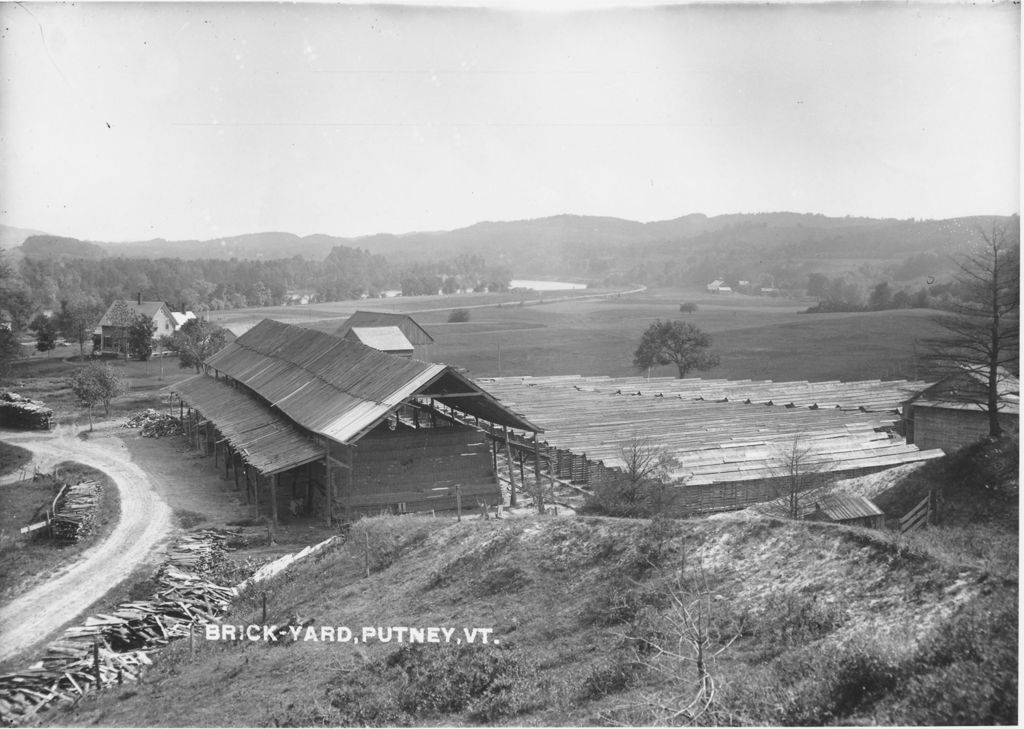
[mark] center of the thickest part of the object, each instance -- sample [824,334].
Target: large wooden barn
[347,428]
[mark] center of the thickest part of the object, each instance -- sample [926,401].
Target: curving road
[145,522]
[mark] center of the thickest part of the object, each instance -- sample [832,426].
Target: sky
[136,121]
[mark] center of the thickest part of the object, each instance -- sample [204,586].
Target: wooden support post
[216,455]
[494,454]
[458,501]
[328,488]
[349,473]
[227,460]
[512,501]
[274,481]
[309,488]
[256,492]
[245,472]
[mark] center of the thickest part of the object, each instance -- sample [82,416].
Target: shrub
[458,315]
[418,682]
[688,307]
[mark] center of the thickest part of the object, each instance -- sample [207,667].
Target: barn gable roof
[967,389]
[409,326]
[340,388]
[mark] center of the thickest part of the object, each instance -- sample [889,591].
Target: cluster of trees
[838,294]
[346,273]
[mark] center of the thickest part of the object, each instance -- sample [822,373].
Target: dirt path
[144,524]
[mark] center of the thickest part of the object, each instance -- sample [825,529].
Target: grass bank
[27,562]
[592,621]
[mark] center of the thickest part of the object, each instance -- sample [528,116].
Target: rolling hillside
[593,620]
[565,243]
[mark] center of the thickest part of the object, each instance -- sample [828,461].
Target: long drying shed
[729,438]
[344,426]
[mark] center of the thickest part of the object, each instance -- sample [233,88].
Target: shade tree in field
[96,383]
[982,325]
[195,341]
[675,342]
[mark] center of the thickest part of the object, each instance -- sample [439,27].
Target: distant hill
[53,246]
[586,246]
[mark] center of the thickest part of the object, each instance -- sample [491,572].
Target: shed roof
[386,339]
[265,439]
[967,389]
[340,388]
[121,312]
[845,508]
[409,326]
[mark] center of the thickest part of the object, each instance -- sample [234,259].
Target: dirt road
[145,522]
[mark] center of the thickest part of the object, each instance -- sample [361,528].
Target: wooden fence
[920,516]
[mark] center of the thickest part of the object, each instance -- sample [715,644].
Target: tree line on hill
[39,284]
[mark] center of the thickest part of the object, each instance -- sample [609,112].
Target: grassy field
[12,458]
[803,624]
[755,337]
[28,562]
[47,379]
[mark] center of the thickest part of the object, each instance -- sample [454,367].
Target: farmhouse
[113,327]
[346,427]
[727,439]
[953,412]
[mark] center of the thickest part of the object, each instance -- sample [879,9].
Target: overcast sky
[136,121]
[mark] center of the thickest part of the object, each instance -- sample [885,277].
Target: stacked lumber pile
[113,647]
[75,514]
[17,411]
[155,424]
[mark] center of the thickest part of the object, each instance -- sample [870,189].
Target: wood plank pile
[17,411]
[155,424]
[75,514]
[122,637]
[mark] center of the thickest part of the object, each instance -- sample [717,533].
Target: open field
[756,337]
[343,309]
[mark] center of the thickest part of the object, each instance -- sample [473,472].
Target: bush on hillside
[458,315]
[422,682]
[688,307]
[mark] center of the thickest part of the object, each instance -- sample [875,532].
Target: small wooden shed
[849,510]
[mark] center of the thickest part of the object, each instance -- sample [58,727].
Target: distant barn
[953,412]
[384,339]
[416,334]
[345,426]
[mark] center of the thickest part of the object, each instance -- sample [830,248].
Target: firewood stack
[75,514]
[155,424]
[17,411]
[114,646]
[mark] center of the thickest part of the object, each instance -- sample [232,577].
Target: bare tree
[983,325]
[800,472]
[683,650]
